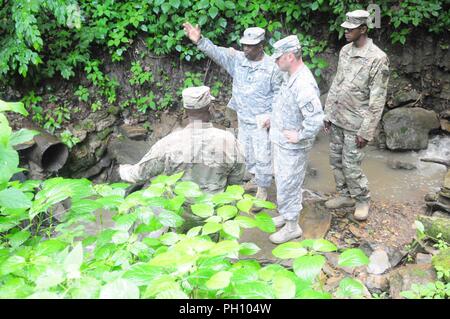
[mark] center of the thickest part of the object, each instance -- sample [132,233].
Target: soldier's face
[352,35]
[283,62]
[252,52]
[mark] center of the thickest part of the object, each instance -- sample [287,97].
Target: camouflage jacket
[255,83]
[358,93]
[297,107]
[210,157]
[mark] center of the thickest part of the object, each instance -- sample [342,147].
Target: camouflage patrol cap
[253,36]
[355,18]
[196,97]
[286,45]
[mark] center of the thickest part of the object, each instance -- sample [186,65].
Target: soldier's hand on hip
[360,142]
[193,33]
[292,136]
[327,126]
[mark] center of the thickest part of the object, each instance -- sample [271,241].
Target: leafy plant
[68,139]
[139,75]
[82,93]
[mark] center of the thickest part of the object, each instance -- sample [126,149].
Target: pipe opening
[54,157]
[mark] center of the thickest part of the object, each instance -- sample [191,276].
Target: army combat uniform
[354,106]
[211,157]
[296,107]
[255,84]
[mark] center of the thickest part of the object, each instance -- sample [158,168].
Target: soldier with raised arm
[256,79]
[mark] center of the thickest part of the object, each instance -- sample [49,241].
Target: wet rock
[133,132]
[442,260]
[405,96]
[377,283]
[440,214]
[96,169]
[422,259]
[408,128]
[315,221]
[435,226]
[378,262]
[127,151]
[333,258]
[445,121]
[166,124]
[397,164]
[402,278]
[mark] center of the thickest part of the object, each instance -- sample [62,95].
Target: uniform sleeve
[332,92]
[276,80]
[152,164]
[312,118]
[225,57]
[378,83]
[237,172]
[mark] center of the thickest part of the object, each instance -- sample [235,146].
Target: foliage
[68,139]
[41,257]
[82,93]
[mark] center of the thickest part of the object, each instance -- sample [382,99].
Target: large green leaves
[308,268]
[9,160]
[353,257]
[254,290]
[289,250]
[219,280]
[120,289]
[283,287]
[73,261]
[350,288]
[202,210]
[16,107]
[22,136]
[13,198]
[142,274]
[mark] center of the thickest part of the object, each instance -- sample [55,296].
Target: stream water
[385,182]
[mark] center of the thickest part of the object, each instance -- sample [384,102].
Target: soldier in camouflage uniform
[256,80]
[296,119]
[353,109]
[210,157]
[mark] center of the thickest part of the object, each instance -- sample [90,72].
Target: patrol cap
[196,97]
[286,45]
[355,18]
[253,36]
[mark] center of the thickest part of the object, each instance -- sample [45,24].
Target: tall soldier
[256,79]
[352,111]
[297,117]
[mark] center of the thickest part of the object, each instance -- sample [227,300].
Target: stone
[422,259]
[405,96]
[408,128]
[126,151]
[375,282]
[315,221]
[378,262]
[402,278]
[440,214]
[442,260]
[445,125]
[397,164]
[133,132]
[435,226]
[333,259]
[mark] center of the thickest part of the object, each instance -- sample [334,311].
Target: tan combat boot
[261,194]
[291,230]
[361,211]
[279,221]
[339,202]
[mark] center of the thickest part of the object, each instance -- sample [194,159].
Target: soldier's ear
[364,29]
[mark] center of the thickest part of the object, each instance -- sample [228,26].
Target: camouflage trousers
[257,151]
[345,160]
[289,170]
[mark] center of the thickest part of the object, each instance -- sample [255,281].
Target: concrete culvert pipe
[48,152]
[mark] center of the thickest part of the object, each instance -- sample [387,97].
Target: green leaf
[120,289]
[22,136]
[289,250]
[194,231]
[73,261]
[175,3]
[210,228]
[16,107]
[313,294]
[169,239]
[142,274]
[13,198]
[50,278]
[220,280]
[202,210]
[235,190]
[245,222]
[223,198]
[9,161]
[12,264]
[254,290]
[244,205]
[213,11]
[225,247]
[264,222]
[323,245]
[350,288]
[353,257]
[232,228]
[188,189]
[172,294]
[227,211]
[248,249]
[283,287]
[308,268]
[19,238]
[170,219]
